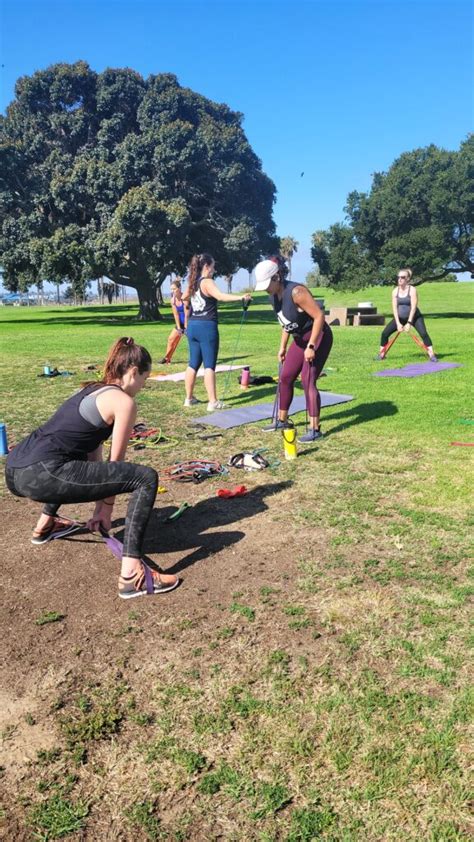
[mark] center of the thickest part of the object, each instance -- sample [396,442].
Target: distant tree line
[111,174]
[419,214]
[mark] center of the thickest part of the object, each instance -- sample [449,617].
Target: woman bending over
[61,462]
[179,315]
[301,318]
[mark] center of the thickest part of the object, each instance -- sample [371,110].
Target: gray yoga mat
[258,412]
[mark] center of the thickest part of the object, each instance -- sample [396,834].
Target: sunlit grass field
[332,702]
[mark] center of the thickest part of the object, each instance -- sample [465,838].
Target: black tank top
[203,307]
[291,319]
[66,436]
[404,304]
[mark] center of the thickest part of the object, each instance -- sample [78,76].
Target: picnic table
[362,314]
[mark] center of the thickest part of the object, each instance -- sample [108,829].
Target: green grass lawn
[329,700]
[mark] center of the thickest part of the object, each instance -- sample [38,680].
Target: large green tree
[419,214]
[110,174]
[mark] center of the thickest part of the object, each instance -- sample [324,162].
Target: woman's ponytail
[196,265]
[125,354]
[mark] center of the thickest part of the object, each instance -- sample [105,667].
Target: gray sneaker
[213,405]
[310,436]
[277,425]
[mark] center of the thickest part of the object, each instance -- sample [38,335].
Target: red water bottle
[245,379]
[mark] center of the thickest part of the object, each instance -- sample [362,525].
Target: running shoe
[310,436]
[277,425]
[380,357]
[191,402]
[136,585]
[58,529]
[213,405]
[433,359]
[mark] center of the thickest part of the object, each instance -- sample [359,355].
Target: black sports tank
[67,435]
[203,307]
[291,319]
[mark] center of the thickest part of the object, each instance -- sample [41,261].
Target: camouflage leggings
[56,483]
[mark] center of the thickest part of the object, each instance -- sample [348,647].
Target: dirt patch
[244,684]
[218,547]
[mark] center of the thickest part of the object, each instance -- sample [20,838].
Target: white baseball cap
[264,272]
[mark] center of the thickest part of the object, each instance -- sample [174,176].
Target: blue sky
[334,89]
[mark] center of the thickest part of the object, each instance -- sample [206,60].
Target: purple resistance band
[116,547]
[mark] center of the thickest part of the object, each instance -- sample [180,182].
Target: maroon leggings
[296,363]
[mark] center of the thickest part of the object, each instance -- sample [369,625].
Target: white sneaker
[190,401]
[213,405]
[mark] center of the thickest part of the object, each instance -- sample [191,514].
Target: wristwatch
[311,347]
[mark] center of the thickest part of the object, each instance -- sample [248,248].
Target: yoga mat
[416,369]
[176,378]
[250,414]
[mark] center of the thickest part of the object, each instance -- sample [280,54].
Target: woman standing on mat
[178,310]
[61,462]
[202,296]
[406,315]
[301,318]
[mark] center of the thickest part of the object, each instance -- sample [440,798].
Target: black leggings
[85,482]
[418,324]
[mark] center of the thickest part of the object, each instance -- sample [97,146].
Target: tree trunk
[148,306]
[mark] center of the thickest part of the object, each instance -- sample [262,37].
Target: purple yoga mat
[416,369]
[260,411]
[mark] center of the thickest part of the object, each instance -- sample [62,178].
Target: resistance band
[386,348]
[245,308]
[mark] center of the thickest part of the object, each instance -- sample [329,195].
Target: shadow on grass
[250,396]
[447,315]
[191,532]
[121,315]
[361,414]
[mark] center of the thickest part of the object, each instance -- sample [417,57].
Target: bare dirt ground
[220,548]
